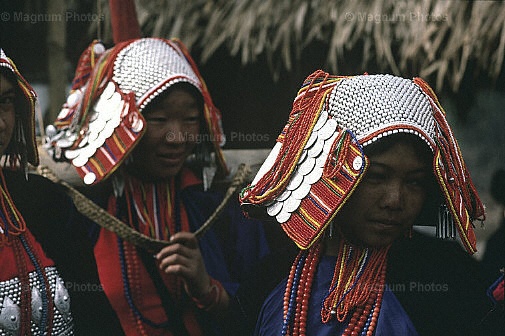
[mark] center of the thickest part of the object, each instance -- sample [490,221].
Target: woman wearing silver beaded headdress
[48,278]
[141,125]
[361,160]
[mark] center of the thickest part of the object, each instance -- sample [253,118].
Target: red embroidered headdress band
[27,117]
[101,121]
[318,158]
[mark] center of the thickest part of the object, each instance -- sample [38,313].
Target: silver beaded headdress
[386,105]
[148,67]
[102,120]
[318,159]
[23,147]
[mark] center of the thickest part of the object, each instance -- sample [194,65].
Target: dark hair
[11,78]
[21,109]
[497,187]
[429,213]
[383,144]
[7,73]
[182,86]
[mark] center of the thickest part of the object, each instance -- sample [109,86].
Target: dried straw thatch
[437,39]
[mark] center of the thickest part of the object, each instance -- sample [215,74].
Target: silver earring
[445,227]
[129,159]
[204,159]
[21,148]
[118,185]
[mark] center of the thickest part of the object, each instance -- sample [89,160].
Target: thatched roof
[437,39]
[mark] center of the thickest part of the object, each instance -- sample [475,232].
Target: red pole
[125,25]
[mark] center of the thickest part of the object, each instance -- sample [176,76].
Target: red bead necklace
[13,232]
[356,288]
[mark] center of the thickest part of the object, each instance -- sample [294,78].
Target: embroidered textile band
[318,159]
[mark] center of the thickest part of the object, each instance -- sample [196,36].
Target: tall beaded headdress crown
[318,159]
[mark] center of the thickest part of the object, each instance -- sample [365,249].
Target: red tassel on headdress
[453,177]
[86,64]
[125,25]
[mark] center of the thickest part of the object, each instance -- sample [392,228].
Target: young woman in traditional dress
[361,162]
[48,277]
[141,128]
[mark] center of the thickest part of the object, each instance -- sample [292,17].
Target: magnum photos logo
[35,18]
[205,137]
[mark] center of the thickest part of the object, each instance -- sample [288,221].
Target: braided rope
[100,216]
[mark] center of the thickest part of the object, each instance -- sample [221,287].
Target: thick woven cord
[94,212]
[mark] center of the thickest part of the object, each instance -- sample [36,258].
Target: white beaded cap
[149,66]
[384,102]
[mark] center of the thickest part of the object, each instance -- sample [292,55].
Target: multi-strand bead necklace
[153,209]
[356,288]
[12,233]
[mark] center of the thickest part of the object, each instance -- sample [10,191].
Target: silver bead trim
[10,294]
[148,67]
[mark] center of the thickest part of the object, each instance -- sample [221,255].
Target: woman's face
[173,127]
[7,112]
[390,197]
